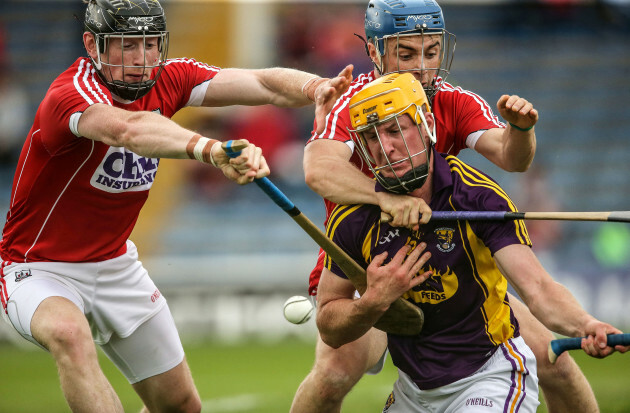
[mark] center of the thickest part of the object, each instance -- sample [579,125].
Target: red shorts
[313,279]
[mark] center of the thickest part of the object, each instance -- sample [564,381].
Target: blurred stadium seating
[571,61]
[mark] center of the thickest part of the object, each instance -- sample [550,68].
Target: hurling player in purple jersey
[411,36]
[470,355]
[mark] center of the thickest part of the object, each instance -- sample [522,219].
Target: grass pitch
[254,377]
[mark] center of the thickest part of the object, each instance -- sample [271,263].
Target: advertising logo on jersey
[122,170]
[389,237]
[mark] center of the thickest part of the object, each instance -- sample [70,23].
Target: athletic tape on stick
[264,183]
[559,346]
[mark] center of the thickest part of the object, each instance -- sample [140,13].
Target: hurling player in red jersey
[411,37]
[69,276]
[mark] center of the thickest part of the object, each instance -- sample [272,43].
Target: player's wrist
[372,303]
[310,86]
[200,148]
[519,128]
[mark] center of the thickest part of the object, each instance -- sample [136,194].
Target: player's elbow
[317,178]
[313,179]
[330,339]
[327,333]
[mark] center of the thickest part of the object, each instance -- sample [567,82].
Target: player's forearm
[252,87]
[346,320]
[549,301]
[152,135]
[558,310]
[289,87]
[340,182]
[519,149]
[277,86]
[144,133]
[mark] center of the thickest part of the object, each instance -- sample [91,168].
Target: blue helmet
[394,18]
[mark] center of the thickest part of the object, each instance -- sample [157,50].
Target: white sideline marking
[232,404]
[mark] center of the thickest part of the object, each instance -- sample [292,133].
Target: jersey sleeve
[337,123]
[499,234]
[338,120]
[346,228]
[188,79]
[464,116]
[478,192]
[68,97]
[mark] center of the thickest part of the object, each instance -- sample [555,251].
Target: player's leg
[563,384]
[61,327]
[336,371]
[152,360]
[173,391]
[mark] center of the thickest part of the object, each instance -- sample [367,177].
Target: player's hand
[403,210]
[327,94]
[246,167]
[595,342]
[386,283]
[517,111]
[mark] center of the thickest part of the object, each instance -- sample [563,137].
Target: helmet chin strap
[408,183]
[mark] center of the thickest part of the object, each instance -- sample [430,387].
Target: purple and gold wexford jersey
[467,313]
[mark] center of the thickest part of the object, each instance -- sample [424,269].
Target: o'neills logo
[123,170]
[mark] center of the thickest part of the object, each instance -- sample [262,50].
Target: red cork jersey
[75,199]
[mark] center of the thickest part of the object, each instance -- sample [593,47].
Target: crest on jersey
[445,239]
[22,274]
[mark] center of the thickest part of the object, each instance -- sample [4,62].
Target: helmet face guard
[386,23]
[117,24]
[386,101]
[439,66]
[129,90]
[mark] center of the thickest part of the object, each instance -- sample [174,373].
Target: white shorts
[117,296]
[508,382]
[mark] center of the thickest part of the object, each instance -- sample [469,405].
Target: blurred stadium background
[226,257]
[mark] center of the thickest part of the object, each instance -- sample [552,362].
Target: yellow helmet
[388,96]
[385,100]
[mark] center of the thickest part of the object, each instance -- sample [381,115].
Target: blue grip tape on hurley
[266,185]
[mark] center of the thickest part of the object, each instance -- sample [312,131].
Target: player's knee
[564,370]
[183,402]
[191,403]
[335,386]
[70,338]
[334,381]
